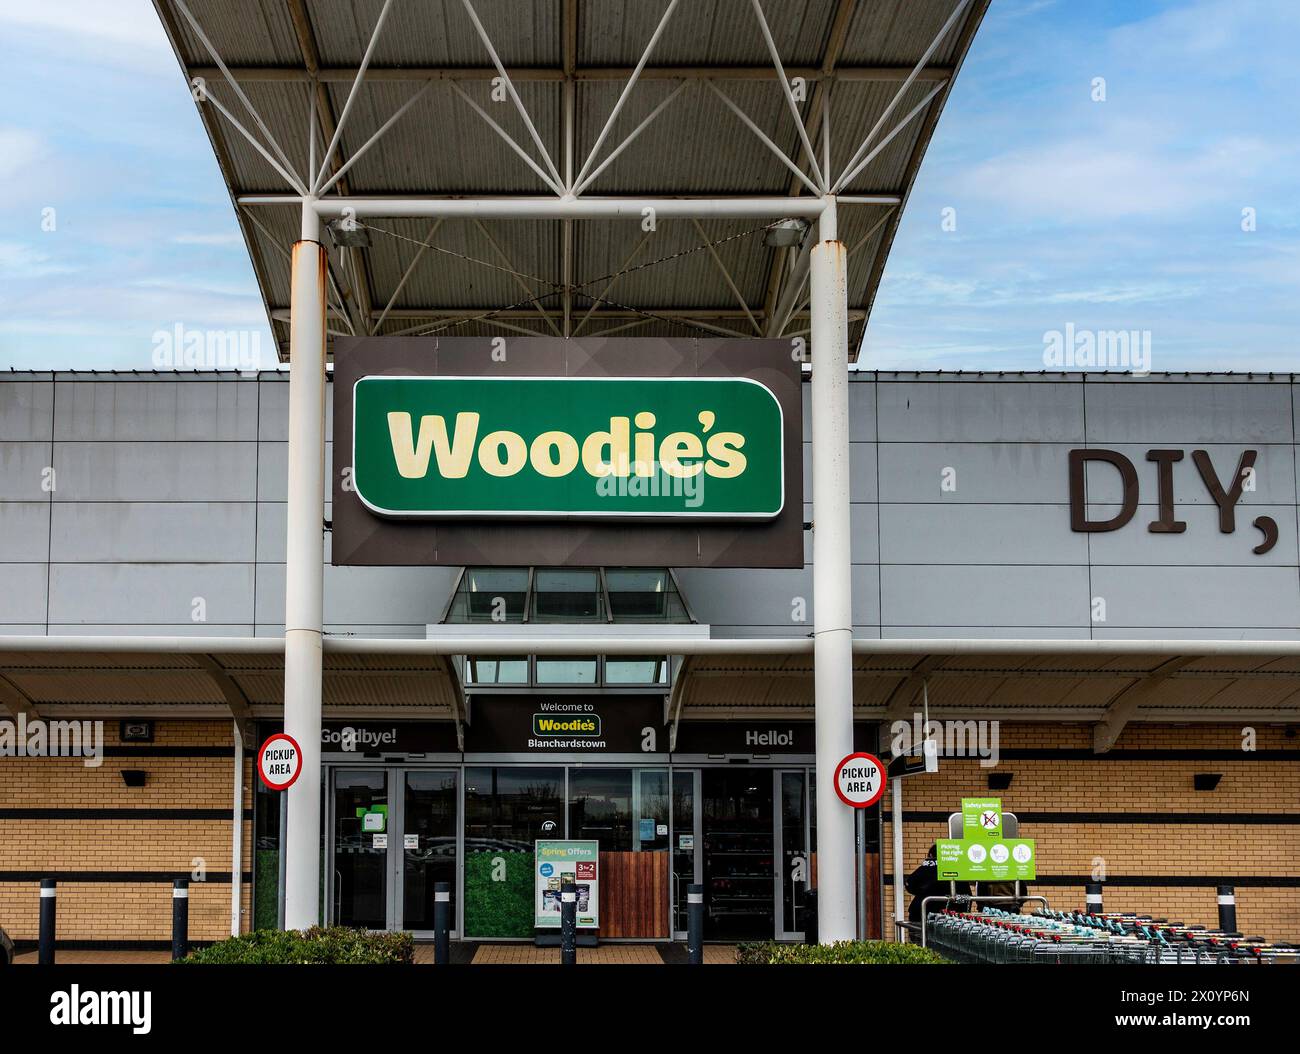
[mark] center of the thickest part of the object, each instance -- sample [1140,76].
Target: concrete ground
[479,954]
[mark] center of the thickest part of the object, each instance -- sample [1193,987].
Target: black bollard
[695,924]
[1092,898]
[180,918]
[810,917]
[441,923]
[1227,909]
[568,922]
[49,897]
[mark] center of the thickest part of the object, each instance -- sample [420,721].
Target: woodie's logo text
[581,448]
[577,725]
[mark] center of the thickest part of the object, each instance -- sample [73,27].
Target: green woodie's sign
[580,448]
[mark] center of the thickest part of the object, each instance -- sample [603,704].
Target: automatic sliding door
[360,850]
[739,857]
[794,872]
[685,850]
[428,844]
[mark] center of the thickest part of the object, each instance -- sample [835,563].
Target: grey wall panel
[158,629]
[22,593]
[24,471]
[989,595]
[198,532]
[866,594]
[980,411]
[396,595]
[140,594]
[862,410]
[1273,483]
[272,522]
[273,413]
[155,471]
[1189,633]
[24,531]
[995,558]
[406,596]
[273,471]
[734,596]
[979,534]
[1201,544]
[411,631]
[987,632]
[157,410]
[864,544]
[780,599]
[864,547]
[1227,597]
[862,472]
[1036,473]
[26,410]
[1168,412]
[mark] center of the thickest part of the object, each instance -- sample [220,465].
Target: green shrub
[316,946]
[769,953]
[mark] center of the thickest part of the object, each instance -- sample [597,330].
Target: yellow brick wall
[1147,846]
[122,910]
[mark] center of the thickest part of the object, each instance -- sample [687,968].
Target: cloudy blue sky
[1122,214]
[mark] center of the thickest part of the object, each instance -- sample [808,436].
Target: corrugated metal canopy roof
[1105,683]
[287,57]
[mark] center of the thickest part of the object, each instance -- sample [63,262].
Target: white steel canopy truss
[563,132]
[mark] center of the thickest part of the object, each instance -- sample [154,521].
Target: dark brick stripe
[214,877]
[1182,881]
[120,814]
[1219,819]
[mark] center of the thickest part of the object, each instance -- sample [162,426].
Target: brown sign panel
[360,537]
[566,725]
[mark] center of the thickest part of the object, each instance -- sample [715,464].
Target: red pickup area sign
[860,780]
[279,762]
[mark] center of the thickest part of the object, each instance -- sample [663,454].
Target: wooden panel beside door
[634,894]
[871,861]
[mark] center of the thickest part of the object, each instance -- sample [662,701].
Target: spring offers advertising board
[552,862]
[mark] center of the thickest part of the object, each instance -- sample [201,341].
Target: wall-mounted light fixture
[136,730]
[135,777]
[1000,781]
[1206,781]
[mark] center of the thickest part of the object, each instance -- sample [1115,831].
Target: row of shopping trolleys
[994,936]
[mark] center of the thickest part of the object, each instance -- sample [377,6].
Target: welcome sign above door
[567,447]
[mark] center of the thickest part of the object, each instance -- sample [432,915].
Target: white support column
[896,836]
[832,594]
[237,836]
[304,570]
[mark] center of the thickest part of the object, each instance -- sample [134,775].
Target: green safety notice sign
[983,854]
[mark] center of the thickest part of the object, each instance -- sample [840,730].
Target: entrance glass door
[360,851]
[794,871]
[740,869]
[428,844]
[394,835]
